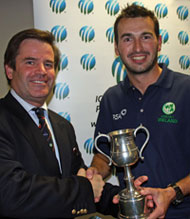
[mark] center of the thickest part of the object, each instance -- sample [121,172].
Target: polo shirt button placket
[141,109]
[140,99]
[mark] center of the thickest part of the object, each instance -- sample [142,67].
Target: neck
[143,81]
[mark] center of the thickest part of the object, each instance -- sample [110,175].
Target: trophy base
[131,205]
[132,217]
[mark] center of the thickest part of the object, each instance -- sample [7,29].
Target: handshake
[157,200]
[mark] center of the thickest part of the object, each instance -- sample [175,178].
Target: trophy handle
[95,144]
[146,141]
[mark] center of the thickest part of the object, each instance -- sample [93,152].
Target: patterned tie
[43,126]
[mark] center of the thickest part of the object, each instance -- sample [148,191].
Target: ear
[116,49]
[159,43]
[9,72]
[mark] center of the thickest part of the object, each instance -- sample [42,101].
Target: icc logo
[118,70]
[57,6]
[138,3]
[88,61]
[182,12]
[87,33]
[65,115]
[88,145]
[184,61]
[163,59]
[61,91]
[164,35]
[110,34]
[59,32]
[183,37]
[112,7]
[161,10]
[86,6]
[63,62]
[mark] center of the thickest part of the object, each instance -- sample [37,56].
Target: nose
[137,45]
[41,68]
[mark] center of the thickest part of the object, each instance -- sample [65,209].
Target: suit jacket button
[78,212]
[82,211]
[73,211]
[85,211]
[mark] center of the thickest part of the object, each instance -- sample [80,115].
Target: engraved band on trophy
[124,153]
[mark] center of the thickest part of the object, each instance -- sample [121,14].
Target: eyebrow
[149,33]
[126,34]
[130,34]
[32,58]
[29,58]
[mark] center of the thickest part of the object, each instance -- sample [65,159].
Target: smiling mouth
[39,82]
[139,57]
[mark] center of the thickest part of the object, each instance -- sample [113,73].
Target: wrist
[171,193]
[176,194]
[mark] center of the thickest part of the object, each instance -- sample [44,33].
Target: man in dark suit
[38,179]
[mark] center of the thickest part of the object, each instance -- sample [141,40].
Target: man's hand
[161,199]
[96,181]
[91,171]
[81,172]
[90,174]
[138,182]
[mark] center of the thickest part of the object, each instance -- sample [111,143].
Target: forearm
[184,185]
[101,163]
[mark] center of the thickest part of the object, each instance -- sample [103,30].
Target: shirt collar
[27,106]
[165,80]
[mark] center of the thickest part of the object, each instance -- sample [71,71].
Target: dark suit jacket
[31,185]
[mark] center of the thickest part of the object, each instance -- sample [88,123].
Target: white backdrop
[84,35]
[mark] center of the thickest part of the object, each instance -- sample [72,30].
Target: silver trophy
[124,153]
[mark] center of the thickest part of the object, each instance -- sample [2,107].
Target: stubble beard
[143,71]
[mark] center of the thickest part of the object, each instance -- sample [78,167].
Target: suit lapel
[62,140]
[33,135]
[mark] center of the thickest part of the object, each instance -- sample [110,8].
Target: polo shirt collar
[165,80]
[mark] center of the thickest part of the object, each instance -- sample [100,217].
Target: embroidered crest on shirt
[168,109]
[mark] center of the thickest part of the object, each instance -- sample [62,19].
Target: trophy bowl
[123,149]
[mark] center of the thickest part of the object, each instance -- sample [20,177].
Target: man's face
[137,44]
[35,74]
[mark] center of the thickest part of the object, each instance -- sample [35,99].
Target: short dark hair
[14,45]
[134,11]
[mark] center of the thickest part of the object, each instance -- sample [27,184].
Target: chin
[40,94]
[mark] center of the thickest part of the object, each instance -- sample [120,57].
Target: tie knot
[39,111]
